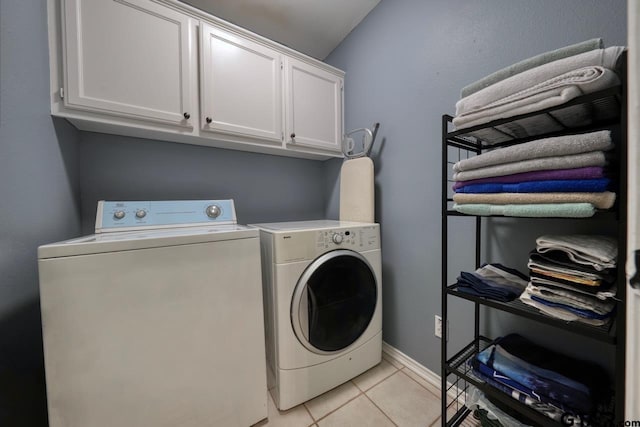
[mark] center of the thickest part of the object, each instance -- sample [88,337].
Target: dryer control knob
[118,214]
[141,213]
[337,238]
[213,211]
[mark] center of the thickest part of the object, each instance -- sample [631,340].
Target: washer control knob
[213,211]
[140,213]
[118,214]
[337,238]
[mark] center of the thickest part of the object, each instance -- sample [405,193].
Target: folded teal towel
[546,210]
[527,64]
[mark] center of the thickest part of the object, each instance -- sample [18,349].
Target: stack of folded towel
[558,386]
[573,278]
[560,176]
[493,281]
[544,81]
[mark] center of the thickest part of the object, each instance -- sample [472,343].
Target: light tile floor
[389,394]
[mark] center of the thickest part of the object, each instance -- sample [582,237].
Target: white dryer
[159,326]
[323,305]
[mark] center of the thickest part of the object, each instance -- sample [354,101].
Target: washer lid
[130,240]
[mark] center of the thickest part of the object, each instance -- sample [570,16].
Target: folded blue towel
[572,185]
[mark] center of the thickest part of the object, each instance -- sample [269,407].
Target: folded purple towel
[589,172]
[577,185]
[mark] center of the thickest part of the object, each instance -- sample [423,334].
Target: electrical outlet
[438,326]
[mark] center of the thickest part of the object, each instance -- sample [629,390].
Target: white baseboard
[421,370]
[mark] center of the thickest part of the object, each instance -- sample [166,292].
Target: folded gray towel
[549,210]
[601,252]
[550,93]
[527,64]
[605,58]
[594,158]
[547,147]
[602,200]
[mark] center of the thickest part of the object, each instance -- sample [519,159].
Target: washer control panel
[144,215]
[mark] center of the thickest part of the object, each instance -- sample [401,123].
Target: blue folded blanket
[578,185]
[571,382]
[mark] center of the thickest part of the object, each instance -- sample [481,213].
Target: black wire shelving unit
[599,110]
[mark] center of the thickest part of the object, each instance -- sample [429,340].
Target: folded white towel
[601,252]
[594,158]
[546,147]
[605,58]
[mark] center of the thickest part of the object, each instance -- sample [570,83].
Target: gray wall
[405,64]
[39,192]
[265,188]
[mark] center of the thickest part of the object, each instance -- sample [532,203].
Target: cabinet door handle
[187,116]
[293,136]
[209,119]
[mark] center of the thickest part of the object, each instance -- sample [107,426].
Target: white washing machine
[159,326]
[323,305]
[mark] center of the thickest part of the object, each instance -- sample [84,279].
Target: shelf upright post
[444,248]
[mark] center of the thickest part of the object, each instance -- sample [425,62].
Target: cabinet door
[241,85]
[129,58]
[314,106]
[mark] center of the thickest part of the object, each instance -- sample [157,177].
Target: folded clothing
[539,148]
[602,200]
[568,277]
[561,313]
[558,260]
[490,412]
[597,185]
[493,281]
[576,384]
[529,63]
[600,252]
[574,300]
[600,292]
[545,406]
[592,158]
[587,172]
[546,210]
[605,58]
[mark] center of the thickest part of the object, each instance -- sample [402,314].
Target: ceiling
[313,27]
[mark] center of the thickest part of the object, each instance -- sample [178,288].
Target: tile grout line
[421,385]
[380,409]
[336,409]
[376,384]
[361,392]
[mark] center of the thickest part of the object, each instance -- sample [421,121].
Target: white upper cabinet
[314,106]
[129,58]
[241,85]
[162,70]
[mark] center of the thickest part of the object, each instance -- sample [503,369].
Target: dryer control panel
[291,244]
[357,239]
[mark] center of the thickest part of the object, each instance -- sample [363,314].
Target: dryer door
[334,301]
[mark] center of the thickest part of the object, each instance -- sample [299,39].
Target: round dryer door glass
[334,301]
